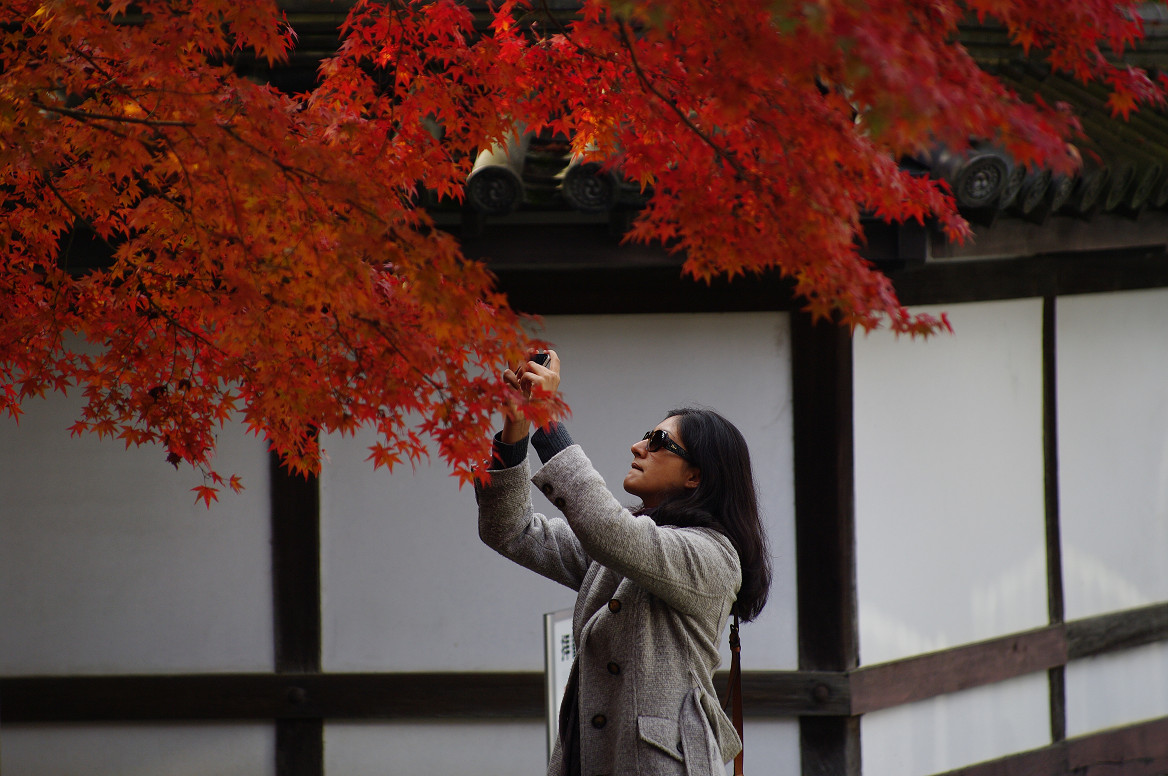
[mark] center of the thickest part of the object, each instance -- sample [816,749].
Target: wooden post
[295,510]
[825,541]
[1054,563]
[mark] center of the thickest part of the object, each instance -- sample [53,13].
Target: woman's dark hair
[725,499]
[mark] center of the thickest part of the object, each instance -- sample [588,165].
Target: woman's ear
[694,478]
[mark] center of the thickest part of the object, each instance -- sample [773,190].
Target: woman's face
[653,476]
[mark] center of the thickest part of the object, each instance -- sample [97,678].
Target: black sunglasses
[660,438]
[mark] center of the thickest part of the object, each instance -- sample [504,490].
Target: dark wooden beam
[832,695]
[918,678]
[1109,271]
[1057,679]
[1134,750]
[885,685]
[1007,237]
[824,495]
[792,693]
[299,747]
[825,546]
[1056,676]
[548,269]
[829,746]
[622,289]
[293,697]
[295,521]
[1057,274]
[1054,564]
[566,266]
[1117,630]
[295,510]
[271,696]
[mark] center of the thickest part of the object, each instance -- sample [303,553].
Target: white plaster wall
[1117,689]
[504,748]
[1113,450]
[139,750]
[107,564]
[949,482]
[950,525]
[1113,492]
[498,748]
[951,731]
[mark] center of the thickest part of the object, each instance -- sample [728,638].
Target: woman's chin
[630,483]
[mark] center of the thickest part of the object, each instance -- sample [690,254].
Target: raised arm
[509,524]
[695,570]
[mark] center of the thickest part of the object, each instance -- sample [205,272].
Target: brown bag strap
[734,691]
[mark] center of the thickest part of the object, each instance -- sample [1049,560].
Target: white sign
[559,652]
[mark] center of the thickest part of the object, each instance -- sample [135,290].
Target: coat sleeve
[694,570]
[509,525]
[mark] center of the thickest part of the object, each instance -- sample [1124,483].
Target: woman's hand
[531,379]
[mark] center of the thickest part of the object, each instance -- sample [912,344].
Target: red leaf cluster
[270,261]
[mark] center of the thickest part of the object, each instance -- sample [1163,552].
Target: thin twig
[652,89]
[89,117]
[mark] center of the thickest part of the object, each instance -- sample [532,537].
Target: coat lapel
[596,591]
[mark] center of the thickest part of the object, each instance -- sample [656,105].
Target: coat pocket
[661,733]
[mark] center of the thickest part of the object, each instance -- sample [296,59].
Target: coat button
[559,502]
[547,489]
[599,721]
[614,605]
[613,668]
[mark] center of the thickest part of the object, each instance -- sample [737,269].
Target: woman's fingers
[530,374]
[549,375]
[510,407]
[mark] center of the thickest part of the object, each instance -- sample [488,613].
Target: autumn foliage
[270,261]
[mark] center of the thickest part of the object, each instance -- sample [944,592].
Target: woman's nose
[640,449]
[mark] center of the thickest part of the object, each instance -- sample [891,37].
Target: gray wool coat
[653,603]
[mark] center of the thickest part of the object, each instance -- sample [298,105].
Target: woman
[656,584]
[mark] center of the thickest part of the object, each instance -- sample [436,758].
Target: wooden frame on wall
[828,694]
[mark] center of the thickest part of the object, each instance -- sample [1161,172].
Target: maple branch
[186,173]
[77,216]
[293,175]
[567,35]
[92,117]
[284,167]
[112,80]
[61,198]
[376,326]
[672,104]
[233,203]
[296,174]
[398,11]
[93,62]
[172,322]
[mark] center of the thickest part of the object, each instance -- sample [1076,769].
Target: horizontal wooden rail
[1055,274]
[884,685]
[898,682]
[792,693]
[917,678]
[384,696]
[772,694]
[1133,750]
[1119,630]
[270,696]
